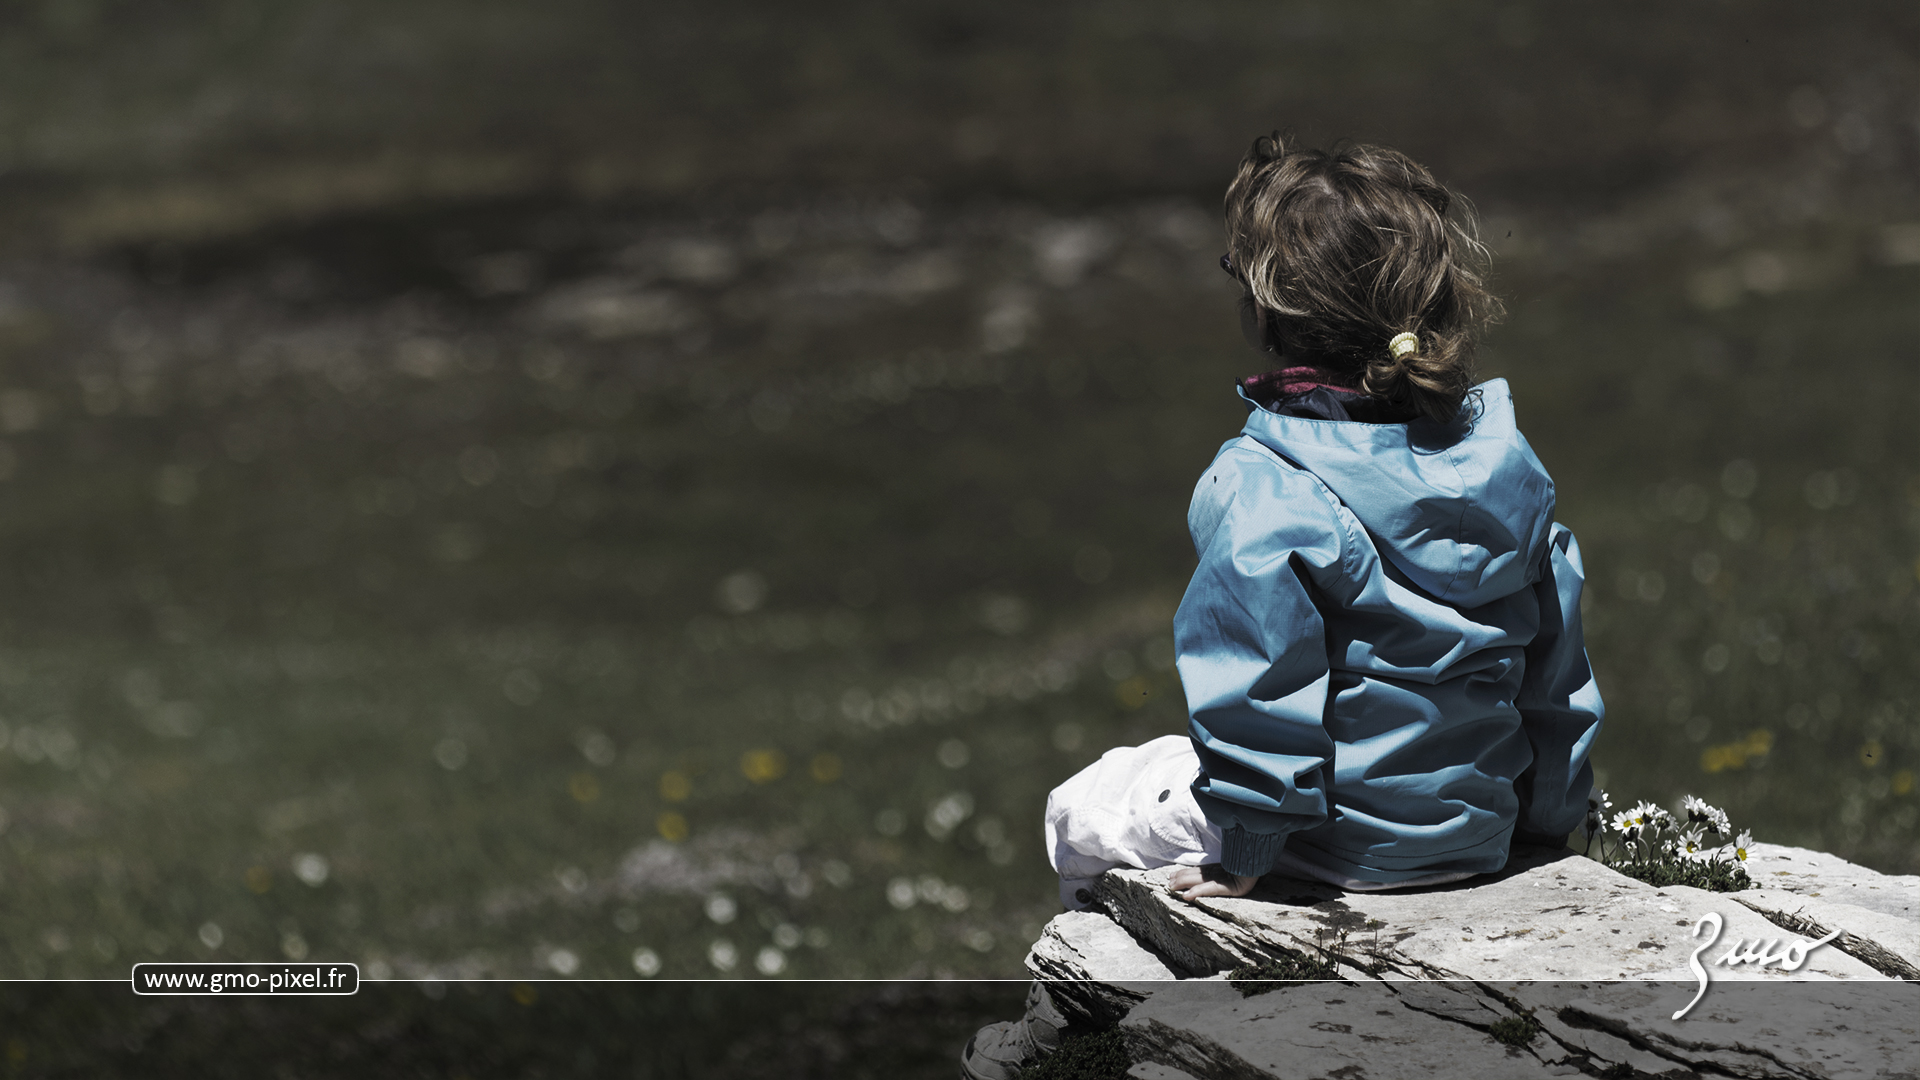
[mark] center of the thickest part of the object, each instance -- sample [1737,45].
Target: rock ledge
[1594,964]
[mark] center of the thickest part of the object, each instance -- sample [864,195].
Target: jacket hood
[1464,509]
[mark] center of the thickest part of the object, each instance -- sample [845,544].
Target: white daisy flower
[1701,812]
[1627,825]
[1597,806]
[1742,844]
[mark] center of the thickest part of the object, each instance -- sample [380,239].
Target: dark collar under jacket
[1310,393]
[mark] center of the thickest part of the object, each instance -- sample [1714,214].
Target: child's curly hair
[1346,249]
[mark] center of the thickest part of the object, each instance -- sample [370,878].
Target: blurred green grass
[556,648]
[135,120]
[449,440]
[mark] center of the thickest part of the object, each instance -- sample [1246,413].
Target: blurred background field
[641,491]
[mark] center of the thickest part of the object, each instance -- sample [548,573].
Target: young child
[1381,647]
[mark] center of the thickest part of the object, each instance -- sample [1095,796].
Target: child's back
[1381,647]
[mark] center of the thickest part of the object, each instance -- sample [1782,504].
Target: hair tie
[1404,345]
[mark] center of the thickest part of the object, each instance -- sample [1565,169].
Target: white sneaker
[1004,1050]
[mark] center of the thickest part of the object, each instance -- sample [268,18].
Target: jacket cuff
[1249,854]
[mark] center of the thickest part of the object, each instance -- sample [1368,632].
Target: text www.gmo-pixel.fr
[246,978]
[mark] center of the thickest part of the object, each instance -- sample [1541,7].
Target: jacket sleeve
[1559,704]
[1251,652]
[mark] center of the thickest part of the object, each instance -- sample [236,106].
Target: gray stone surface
[1147,1070]
[1426,974]
[1818,875]
[1887,943]
[1078,943]
[1383,1030]
[1549,915]
[1817,1029]
[1319,1029]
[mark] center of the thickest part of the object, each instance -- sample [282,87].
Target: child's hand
[1190,883]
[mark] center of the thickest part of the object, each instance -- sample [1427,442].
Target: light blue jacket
[1381,648]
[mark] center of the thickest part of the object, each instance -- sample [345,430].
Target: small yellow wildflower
[761,766]
[672,827]
[675,786]
[583,787]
